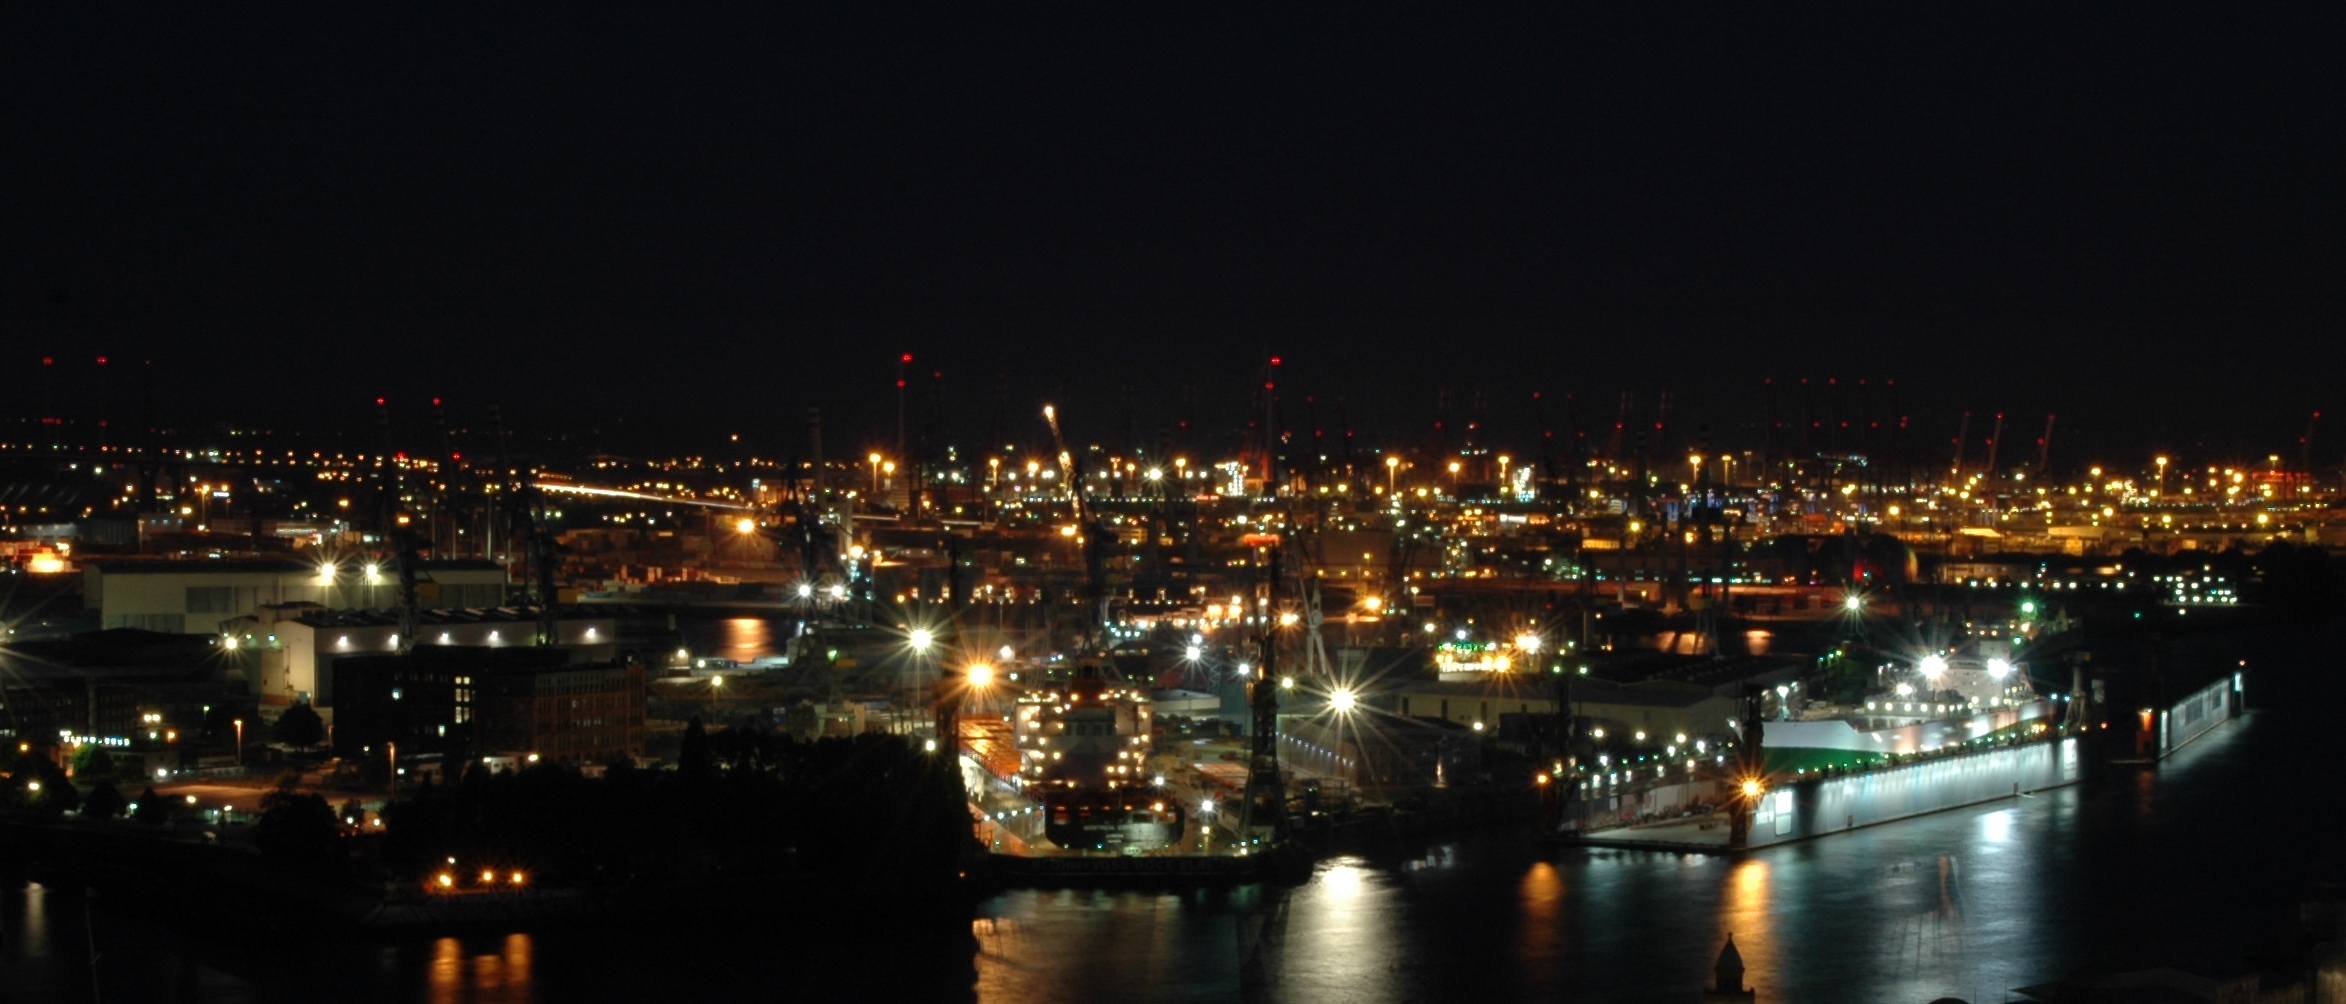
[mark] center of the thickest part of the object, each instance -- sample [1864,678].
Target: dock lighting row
[489,879]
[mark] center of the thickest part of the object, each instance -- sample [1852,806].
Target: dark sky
[702,222]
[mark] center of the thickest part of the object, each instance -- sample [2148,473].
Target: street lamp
[875,460]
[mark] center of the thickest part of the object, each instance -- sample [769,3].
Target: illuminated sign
[70,739]
[1471,657]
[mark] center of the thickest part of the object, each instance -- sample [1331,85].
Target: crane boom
[1089,533]
[2305,445]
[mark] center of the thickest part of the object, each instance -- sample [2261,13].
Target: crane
[2305,445]
[1088,533]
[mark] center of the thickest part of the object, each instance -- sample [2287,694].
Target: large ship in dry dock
[1083,744]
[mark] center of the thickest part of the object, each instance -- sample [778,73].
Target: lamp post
[1393,476]
[240,742]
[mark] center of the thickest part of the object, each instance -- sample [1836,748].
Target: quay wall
[1813,808]
[2199,711]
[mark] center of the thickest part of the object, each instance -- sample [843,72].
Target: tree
[299,831]
[151,809]
[220,724]
[37,787]
[694,756]
[300,727]
[103,802]
[92,762]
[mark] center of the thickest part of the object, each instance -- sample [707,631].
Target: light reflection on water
[501,977]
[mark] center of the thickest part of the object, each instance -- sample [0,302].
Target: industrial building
[532,703]
[293,646]
[197,596]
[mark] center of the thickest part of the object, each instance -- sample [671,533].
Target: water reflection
[1340,936]
[1745,915]
[456,976]
[1542,896]
[746,639]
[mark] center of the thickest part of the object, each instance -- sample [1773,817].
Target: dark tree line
[743,802]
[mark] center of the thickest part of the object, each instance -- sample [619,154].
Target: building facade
[198,596]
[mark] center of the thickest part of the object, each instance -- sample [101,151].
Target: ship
[1084,743]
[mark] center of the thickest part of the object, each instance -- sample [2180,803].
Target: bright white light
[922,639]
[1853,603]
[1006,652]
[1527,642]
[1906,690]
[1342,700]
[981,675]
[1999,668]
[1933,665]
[1205,805]
[1192,653]
[805,589]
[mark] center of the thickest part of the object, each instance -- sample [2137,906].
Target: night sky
[671,225]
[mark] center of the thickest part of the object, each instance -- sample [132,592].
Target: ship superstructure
[1084,745]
